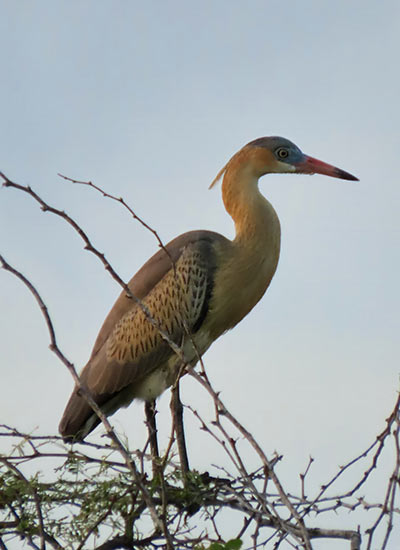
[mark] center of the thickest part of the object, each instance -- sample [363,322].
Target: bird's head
[268,155]
[279,155]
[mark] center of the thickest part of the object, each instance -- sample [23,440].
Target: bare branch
[90,248]
[124,204]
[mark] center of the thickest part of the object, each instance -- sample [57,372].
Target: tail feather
[78,419]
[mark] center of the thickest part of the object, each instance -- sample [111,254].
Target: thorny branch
[246,493]
[209,493]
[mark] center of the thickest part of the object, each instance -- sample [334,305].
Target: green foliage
[233,544]
[93,497]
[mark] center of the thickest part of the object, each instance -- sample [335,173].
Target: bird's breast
[243,275]
[193,347]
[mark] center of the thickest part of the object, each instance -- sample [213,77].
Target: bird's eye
[282,153]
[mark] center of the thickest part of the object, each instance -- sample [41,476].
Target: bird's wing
[129,345]
[175,287]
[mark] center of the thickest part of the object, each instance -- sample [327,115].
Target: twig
[124,204]
[303,477]
[203,379]
[90,248]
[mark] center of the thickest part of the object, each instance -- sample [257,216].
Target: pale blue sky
[149,100]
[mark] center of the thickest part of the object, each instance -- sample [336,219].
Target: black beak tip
[346,176]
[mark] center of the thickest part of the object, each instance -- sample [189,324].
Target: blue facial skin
[276,144]
[287,152]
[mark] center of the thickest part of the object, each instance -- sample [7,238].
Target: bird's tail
[78,419]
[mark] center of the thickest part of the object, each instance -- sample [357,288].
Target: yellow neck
[248,263]
[256,222]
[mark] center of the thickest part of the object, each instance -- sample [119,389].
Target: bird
[196,288]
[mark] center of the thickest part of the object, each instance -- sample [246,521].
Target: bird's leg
[150,410]
[177,415]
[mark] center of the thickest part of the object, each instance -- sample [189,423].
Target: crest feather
[218,176]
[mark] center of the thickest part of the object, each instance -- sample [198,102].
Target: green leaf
[233,544]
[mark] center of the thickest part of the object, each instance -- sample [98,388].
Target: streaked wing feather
[176,288]
[135,346]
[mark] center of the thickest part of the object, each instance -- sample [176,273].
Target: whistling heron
[200,288]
